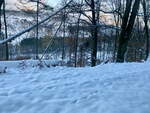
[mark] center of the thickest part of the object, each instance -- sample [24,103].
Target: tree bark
[127,26]
[94,34]
[146,28]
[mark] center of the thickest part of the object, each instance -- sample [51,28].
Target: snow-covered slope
[111,88]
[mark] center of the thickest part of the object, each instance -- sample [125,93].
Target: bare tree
[145,9]
[127,26]
[90,12]
[2,3]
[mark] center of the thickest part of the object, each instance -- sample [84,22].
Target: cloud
[13,4]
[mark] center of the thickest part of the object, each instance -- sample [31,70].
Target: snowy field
[110,88]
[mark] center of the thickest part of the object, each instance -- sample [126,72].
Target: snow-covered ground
[110,88]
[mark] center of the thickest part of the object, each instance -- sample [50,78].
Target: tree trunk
[127,26]
[146,28]
[6,36]
[37,32]
[94,35]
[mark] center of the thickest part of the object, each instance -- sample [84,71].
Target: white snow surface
[110,88]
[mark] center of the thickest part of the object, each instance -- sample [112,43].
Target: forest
[77,32]
[74,56]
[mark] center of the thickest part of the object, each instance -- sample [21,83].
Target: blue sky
[52,2]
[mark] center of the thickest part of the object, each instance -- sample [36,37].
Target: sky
[11,4]
[52,2]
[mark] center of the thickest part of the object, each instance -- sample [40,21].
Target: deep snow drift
[111,88]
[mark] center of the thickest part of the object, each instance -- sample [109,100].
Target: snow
[109,88]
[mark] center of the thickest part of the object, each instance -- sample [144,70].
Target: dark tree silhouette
[94,35]
[127,26]
[2,2]
[144,4]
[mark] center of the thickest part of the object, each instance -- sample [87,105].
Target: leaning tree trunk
[127,26]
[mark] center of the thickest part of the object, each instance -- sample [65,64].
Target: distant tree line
[88,37]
